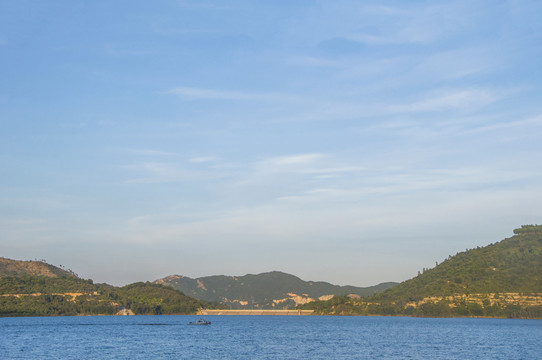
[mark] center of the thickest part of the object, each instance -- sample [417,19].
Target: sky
[354,142]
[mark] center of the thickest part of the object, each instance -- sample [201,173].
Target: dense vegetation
[458,307]
[500,280]
[149,298]
[51,296]
[511,265]
[62,293]
[46,285]
[259,291]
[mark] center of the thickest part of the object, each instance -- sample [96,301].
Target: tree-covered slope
[150,298]
[503,279]
[510,265]
[58,292]
[267,290]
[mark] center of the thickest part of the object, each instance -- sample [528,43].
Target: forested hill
[266,290]
[501,279]
[35,288]
[10,267]
[510,265]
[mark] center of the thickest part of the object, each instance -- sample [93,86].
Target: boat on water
[200,322]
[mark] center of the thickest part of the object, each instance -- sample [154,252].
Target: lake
[268,337]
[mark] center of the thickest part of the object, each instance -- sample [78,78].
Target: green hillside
[10,267]
[501,279]
[59,292]
[511,265]
[267,290]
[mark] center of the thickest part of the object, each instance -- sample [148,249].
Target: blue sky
[354,142]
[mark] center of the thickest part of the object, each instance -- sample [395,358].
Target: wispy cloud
[385,10]
[529,122]
[191,93]
[202,159]
[411,24]
[151,152]
[170,172]
[159,172]
[378,197]
[461,99]
[298,159]
[457,63]
[319,165]
[391,182]
[433,23]
[123,50]
[305,60]
[206,5]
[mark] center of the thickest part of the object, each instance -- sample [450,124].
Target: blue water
[268,337]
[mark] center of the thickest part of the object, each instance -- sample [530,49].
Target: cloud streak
[465,99]
[531,122]
[191,93]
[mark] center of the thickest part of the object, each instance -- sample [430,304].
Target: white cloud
[410,24]
[332,214]
[190,4]
[454,64]
[294,159]
[462,99]
[305,60]
[138,220]
[170,172]
[202,159]
[529,122]
[385,10]
[311,165]
[151,152]
[433,23]
[159,172]
[191,93]
[122,51]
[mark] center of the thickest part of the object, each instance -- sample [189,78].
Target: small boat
[200,322]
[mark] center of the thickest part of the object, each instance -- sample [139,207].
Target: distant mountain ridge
[266,290]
